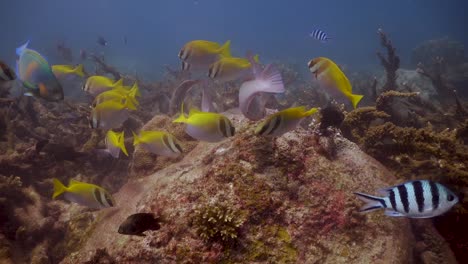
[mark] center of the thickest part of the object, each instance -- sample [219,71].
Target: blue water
[276,29]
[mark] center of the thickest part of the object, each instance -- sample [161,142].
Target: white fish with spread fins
[82,193]
[251,101]
[115,143]
[414,199]
[158,142]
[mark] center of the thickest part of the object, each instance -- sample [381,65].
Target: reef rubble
[251,199]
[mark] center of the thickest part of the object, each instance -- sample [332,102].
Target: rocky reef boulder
[250,199]
[413,81]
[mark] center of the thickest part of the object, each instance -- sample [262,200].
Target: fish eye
[450,197]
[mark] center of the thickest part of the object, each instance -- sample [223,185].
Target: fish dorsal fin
[193,110]
[22,48]
[74,182]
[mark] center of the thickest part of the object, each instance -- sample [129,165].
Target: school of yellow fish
[113,102]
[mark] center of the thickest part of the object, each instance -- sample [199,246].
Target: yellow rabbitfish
[202,53]
[82,193]
[95,85]
[206,126]
[115,142]
[158,142]
[109,114]
[231,68]
[119,94]
[61,71]
[283,121]
[330,76]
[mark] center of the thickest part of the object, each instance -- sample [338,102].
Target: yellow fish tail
[225,50]
[59,188]
[135,91]
[256,59]
[355,98]
[118,83]
[182,118]
[136,139]
[121,143]
[79,70]
[310,112]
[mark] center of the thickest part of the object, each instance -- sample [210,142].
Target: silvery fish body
[414,199]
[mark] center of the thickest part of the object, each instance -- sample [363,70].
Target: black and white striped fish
[6,73]
[414,199]
[319,35]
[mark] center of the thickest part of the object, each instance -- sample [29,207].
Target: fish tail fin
[256,58]
[59,188]
[272,76]
[372,202]
[310,112]
[21,48]
[118,83]
[136,139]
[182,118]
[79,70]
[225,50]
[135,91]
[130,102]
[355,98]
[121,143]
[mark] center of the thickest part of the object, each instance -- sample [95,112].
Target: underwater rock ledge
[282,201]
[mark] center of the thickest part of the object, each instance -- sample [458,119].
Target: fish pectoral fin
[393,213]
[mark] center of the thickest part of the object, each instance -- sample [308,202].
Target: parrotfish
[331,77]
[414,199]
[36,75]
[158,142]
[283,121]
[82,193]
[200,54]
[252,94]
[206,126]
[138,223]
[115,142]
[95,85]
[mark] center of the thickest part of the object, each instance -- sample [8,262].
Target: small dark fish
[83,54]
[125,40]
[319,35]
[138,223]
[6,73]
[101,41]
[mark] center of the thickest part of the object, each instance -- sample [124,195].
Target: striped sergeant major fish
[414,199]
[82,193]
[319,35]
